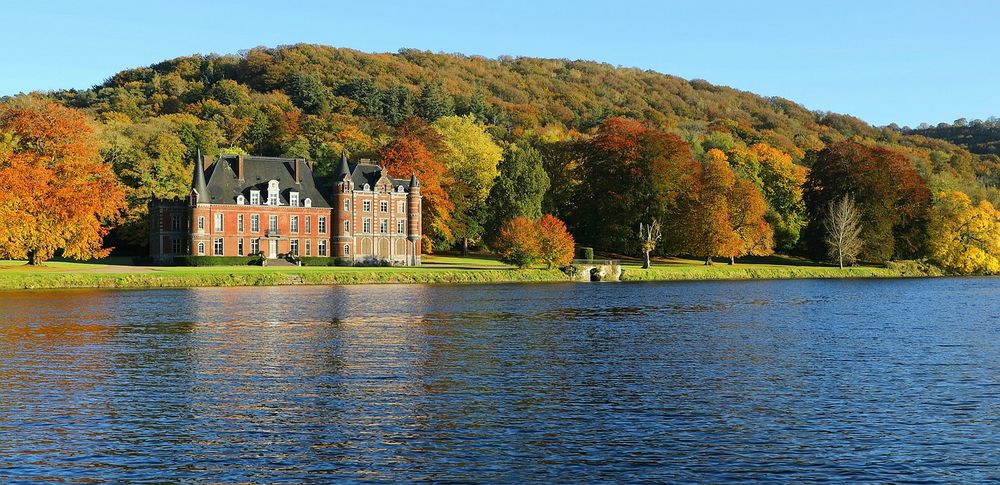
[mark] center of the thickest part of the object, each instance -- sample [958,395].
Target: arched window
[347,250]
[399,188]
[240,199]
[308,202]
[272,193]
[366,187]
[201,249]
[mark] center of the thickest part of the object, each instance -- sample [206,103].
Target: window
[254,197]
[367,187]
[201,249]
[175,245]
[383,206]
[239,247]
[294,222]
[218,246]
[308,224]
[240,200]
[399,189]
[254,222]
[201,223]
[321,248]
[272,223]
[293,199]
[308,248]
[347,228]
[347,205]
[272,193]
[308,202]
[347,250]
[401,207]
[239,223]
[366,206]
[368,225]
[175,223]
[383,226]
[400,224]
[322,225]
[254,246]
[295,247]
[218,223]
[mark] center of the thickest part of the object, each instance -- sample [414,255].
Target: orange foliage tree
[55,192]
[519,242]
[409,156]
[555,241]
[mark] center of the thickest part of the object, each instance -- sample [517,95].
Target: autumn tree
[780,181]
[555,242]
[633,173]
[471,158]
[843,231]
[963,237]
[408,155]
[892,197]
[519,242]
[519,188]
[649,234]
[56,192]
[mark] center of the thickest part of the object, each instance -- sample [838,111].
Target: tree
[555,242]
[435,102]
[55,192]
[471,159]
[747,215]
[963,237]
[649,234]
[843,231]
[407,156]
[891,195]
[307,92]
[519,188]
[519,242]
[780,181]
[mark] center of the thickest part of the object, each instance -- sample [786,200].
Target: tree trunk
[33,258]
[732,260]
[841,260]
[465,246]
[708,261]
[645,263]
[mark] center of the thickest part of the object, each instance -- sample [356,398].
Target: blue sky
[883,61]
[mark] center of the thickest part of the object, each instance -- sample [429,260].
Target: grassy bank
[436,269]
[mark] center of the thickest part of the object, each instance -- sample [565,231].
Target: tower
[413,223]
[342,241]
[200,210]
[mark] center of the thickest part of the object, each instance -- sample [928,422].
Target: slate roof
[223,184]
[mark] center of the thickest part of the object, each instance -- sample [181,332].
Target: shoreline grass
[435,270]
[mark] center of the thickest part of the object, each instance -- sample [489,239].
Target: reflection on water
[779,381]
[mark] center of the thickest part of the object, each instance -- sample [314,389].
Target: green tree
[307,92]
[435,102]
[518,190]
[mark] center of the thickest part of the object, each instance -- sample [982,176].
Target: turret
[199,189]
[413,222]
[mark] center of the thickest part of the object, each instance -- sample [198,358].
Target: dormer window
[254,197]
[399,188]
[272,193]
[293,199]
[366,188]
[240,200]
[308,202]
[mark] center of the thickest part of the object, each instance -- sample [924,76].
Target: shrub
[319,261]
[213,260]
[519,242]
[555,241]
[583,252]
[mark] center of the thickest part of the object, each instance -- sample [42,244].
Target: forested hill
[461,121]
[981,137]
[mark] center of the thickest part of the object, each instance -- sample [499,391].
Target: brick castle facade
[241,206]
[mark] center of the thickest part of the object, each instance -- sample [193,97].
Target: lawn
[117,273]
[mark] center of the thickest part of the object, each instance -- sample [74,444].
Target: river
[846,380]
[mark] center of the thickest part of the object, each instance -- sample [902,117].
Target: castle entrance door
[272,248]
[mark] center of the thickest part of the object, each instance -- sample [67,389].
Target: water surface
[855,380]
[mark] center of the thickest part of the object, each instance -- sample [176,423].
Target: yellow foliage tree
[964,237]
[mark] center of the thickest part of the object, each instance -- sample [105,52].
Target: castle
[276,207]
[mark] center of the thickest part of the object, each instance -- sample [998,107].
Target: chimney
[239,168]
[298,174]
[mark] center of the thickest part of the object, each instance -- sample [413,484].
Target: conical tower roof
[198,182]
[342,169]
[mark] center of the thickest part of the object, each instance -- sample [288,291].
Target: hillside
[978,136]
[318,102]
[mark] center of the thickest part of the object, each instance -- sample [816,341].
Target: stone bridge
[596,270]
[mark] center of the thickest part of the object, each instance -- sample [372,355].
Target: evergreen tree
[518,190]
[435,102]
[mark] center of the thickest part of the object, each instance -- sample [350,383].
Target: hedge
[214,260]
[583,252]
[319,261]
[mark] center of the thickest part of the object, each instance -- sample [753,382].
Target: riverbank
[436,269]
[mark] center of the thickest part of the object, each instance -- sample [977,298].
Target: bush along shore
[436,269]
